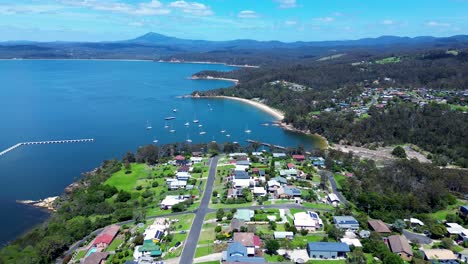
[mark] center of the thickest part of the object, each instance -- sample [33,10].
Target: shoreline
[145,60]
[277,114]
[235,81]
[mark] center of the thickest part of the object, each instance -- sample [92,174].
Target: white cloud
[28,9]
[437,24]
[325,19]
[290,22]
[193,8]
[247,14]
[154,7]
[136,24]
[286,3]
[388,22]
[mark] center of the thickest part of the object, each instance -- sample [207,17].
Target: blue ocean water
[112,102]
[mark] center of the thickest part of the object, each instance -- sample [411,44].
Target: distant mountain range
[156,46]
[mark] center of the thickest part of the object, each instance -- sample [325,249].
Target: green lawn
[318,206]
[301,241]
[336,261]
[271,258]
[220,205]
[80,254]
[185,221]
[451,209]
[127,182]
[113,246]
[295,210]
[339,178]
[203,251]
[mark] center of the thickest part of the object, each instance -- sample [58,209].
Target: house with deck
[400,246]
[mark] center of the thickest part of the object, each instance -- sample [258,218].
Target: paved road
[422,239]
[335,188]
[191,243]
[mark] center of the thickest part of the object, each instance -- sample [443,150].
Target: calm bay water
[110,101]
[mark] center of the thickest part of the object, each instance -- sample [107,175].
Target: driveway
[422,239]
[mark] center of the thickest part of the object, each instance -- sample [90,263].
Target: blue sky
[285,20]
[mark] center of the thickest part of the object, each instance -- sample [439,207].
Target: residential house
[273,185]
[175,185]
[298,158]
[197,154]
[259,191]
[351,241]
[180,160]
[170,201]
[183,168]
[237,253]
[414,222]
[243,163]
[333,199]
[281,180]
[327,250]
[379,226]
[318,161]
[283,235]
[291,166]
[96,258]
[242,183]
[455,229]
[236,224]
[105,238]
[464,211]
[196,160]
[279,155]
[183,176]
[364,233]
[240,175]
[346,223]
[286,192]
[237,154]
[307,220]
[439,255]
[149,248]
[399,245]
[463,256]
[234,193]
[248,240]
[244,214]
[289,173]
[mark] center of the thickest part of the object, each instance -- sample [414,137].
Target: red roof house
[179,158]
[299,157]
[291,166]
[105,238]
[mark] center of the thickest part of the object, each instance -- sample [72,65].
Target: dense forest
[400,189]
[433,127]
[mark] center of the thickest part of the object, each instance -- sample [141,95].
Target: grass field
[127,182]
[318,206]
[80,254]
[451,209]
[220,205]
[113,246]
[339,178]
[185,221]
[203,251]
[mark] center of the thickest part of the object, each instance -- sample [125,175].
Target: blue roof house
[347,223]
[236,252]
[327,250]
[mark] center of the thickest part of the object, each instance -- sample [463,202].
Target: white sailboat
[174,110]
[247,130]
[155,141]
[165,125]
[187,124]
[148,126]
[200,125]
[188,140]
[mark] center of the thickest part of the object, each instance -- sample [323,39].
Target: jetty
[271,145]
[266,144]
[63,141]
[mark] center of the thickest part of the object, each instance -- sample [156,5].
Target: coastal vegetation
[436,128]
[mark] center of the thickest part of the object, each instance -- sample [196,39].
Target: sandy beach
[277,114]
[235,81]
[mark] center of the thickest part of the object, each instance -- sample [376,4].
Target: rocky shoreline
[47,203]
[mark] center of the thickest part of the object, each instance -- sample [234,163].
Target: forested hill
[305,90]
